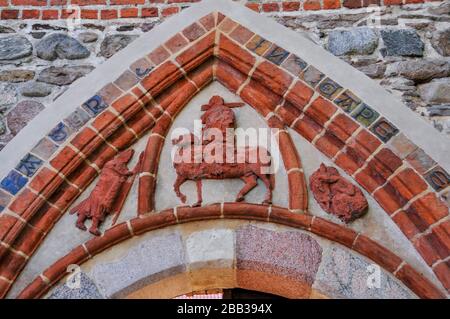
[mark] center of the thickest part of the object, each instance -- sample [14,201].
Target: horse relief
[215,155]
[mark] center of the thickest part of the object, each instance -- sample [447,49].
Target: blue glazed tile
[14,182]
[384,129]
[60,133]
[438,178]
[329,88]
[276,55]
[29,165]
[95,105]
[348,101]
[365,115]
[77,119]
[1,208]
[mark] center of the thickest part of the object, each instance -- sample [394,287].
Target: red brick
[64,157]
[329,144]
[26,200]
[106,123]
[260,98]
[253,6]
[342,127]
[234,55]
[115,2]
[129,13]
[197,53]
[30,14]
[50,14]
[122,138]
[65,195]
[166,74]
[442,271]
[11,265]
[272,77]
[203,74]
[108,14]
[89,14]
[82,176]
[367,3]
[158,55]
[366,144]
[229,76]
[33,3]
[9,14]
[425,245]
[429,208]
[291,6]
[241,34]
[84,140]
[331,4]
[149,12]
[307,128]
[390,198]
[321,110]
[169,11]
[176,43]
[392,2]
[352,4]
[43,179]
[59,269]
[193,32]
[408,183]
[88,2]
[112,236]
[28,240]
[311,5]
[332,231]
[227,25]
[99,157]
[270,7]
[406,225]
[208,21]
[377,253]
[418,283]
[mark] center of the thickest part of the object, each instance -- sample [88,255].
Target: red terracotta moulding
[416,282]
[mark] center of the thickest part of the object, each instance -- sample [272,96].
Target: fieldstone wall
[405,48]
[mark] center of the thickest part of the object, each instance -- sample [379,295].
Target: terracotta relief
[336,195]
[109,194]
[215,155]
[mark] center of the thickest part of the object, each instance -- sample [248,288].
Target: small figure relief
[109,194]
[336,195]
[215,155]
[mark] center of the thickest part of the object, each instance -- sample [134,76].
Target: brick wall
[124,9]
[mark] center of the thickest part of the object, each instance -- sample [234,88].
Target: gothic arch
[282,87]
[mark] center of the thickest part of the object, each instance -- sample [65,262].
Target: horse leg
[94,227]
[81,219]
[176,186]
[266,181]
[198,182]
[250,183]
